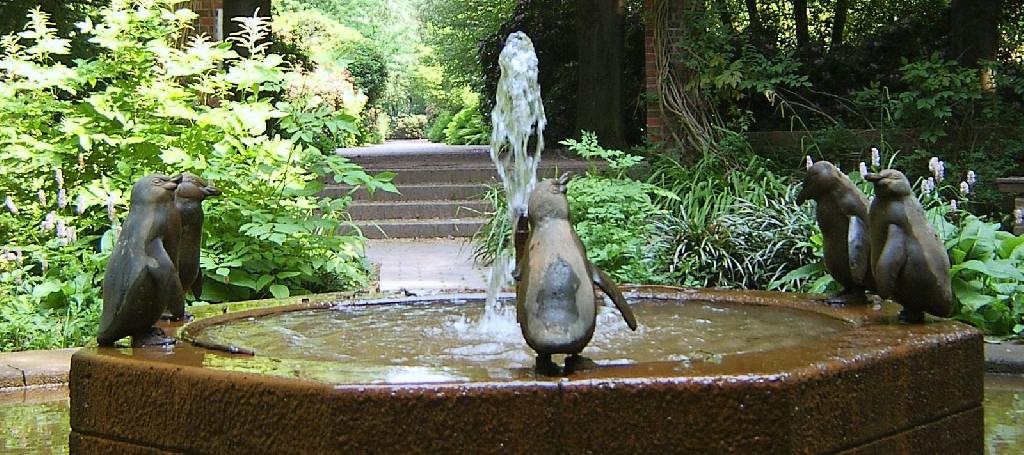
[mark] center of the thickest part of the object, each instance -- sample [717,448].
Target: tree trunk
[600,34]
[803,37]
[243,8]
[974,30]
[839,23]
[756,30]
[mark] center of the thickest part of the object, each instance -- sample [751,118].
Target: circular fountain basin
[707,371]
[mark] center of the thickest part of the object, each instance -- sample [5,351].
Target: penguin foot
[576,362]
[186,316]
[152,337]
[546,367]
[846,297]
[911,316]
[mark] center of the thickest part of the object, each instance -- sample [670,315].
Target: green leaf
[43,290]
[279,291]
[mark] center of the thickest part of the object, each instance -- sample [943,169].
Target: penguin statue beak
[872,177]
[211,191]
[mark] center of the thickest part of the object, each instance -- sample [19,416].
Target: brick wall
[207,9]
[657,122]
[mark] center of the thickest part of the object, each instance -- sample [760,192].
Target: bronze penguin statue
[140,279]
[909,263]
[188,200]
[555,300]
[842,214]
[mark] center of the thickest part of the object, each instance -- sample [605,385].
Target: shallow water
[1004,414]
[453,342]
[35,422]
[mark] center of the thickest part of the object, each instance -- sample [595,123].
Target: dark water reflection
[38,422]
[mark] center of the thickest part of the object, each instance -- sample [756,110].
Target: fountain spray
[518,114]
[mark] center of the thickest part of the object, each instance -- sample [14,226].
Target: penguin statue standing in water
[842,213]
[188,200]
[555,301]
[141,279]
[909,263]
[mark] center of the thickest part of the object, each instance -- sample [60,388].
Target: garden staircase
[441,188]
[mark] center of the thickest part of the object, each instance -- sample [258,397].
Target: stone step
[417,210]
[418,192]
[408,229]
[472,174]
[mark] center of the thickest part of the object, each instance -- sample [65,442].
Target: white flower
[44,264]
[42,197]
[965,189]
[876,157]
[62,198]
[938,168]
[58,175]
[952,205]
[863,169]
[9,202]
[111,213]
[80,204]
[928,185]
[972,178]
[49,222]
[81,160]
[810,162]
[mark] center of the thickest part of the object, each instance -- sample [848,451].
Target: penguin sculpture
[555,299]
[909,262]
[188,200]
[842,213]
[140,279]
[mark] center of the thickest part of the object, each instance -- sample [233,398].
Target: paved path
[425,265]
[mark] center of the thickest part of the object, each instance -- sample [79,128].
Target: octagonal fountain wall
[709,372]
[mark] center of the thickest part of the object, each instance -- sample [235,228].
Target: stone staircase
[441,189]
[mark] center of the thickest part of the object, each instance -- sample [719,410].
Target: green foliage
[733,222]
[75,138]
[410,127]
[454,30]
[467,126]
[436,131]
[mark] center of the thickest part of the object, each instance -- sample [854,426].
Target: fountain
[707,371]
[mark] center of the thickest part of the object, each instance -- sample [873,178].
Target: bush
[467,128]
[436,131]
[410,127]
[323,109]
[143,105]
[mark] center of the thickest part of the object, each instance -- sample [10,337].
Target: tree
[599,25]
[800,17]
[839,23]
[974,30]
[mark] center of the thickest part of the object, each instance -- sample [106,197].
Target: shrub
[436,131]
[467,127]
[410,127]
[323,109]
[75,138]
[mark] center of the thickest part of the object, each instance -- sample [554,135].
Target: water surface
[442,342]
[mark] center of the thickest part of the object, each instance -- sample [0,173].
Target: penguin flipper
[858,250]
[197,285]
[891,261]
[607,285]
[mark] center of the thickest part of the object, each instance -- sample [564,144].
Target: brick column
[206,24]
[655,122]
